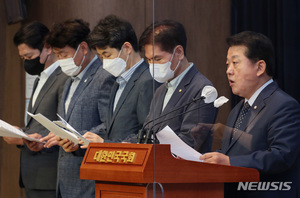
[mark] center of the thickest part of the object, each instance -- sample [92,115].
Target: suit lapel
[48,84]
[111,105]
[176,96]
[180,90]
[84,82]
[159,102]
[29,109]
[64,97]
[256,108]
[129,86]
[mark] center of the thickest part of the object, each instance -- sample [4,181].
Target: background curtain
[280,21]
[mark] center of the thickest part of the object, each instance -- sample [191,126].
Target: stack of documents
[7,130]
[60,128]
[178,147]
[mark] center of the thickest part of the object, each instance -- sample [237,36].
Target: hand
[12,140]
[32,145]
[67,145]
[215,158]
[92,137]
[51,140]
[18,128]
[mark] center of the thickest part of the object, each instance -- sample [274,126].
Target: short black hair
[259,47]
[112,32]
[32,34]
[69,33]
[167,34]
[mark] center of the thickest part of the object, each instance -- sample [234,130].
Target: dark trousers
[33,193]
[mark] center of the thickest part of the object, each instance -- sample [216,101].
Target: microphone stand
[145,136]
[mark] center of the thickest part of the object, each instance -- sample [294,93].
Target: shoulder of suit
[280,96]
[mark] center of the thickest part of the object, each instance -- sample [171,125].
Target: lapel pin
[180,90]
[85,80]
[255,107]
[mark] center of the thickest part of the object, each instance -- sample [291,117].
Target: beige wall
[207,24]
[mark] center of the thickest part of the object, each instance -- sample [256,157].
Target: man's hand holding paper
[50,139]
[33,145]
[67,145]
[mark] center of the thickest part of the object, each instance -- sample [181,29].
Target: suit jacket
[188,89]
[133,105]
[270,141]
[87,110]
[38,170]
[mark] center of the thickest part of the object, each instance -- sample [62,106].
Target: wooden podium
[126,170]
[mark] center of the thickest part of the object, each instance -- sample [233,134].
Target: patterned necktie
[240,119]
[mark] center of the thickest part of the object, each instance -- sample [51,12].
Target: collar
[79,76]
[127,74]
[255,95]
[175,82]
[49,70]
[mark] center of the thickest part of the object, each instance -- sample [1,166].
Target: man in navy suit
[182,83]
[266,135]
[84,101]
[116,43]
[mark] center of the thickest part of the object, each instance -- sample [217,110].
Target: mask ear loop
[46,57]
[177,65]
[82,61]
[173,54]
[120,54]
[76,51]
[120,51]
[127,58]
[76,54]
[172,59]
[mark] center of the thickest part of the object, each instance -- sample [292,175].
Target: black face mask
[34,67]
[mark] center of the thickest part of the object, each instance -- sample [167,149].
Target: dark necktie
[240,119]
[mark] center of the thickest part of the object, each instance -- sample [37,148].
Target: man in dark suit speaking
[266,124]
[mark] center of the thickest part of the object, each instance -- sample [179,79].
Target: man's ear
[179,52]
[261,67]
[127,47]
[48,48]
[85,47]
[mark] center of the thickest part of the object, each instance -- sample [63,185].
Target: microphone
[209,95]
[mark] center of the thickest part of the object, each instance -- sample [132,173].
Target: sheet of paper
[178,147]
[7,130]
[64,124]
[55,129]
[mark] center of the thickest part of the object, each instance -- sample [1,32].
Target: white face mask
[162,71]
[115,66]
[68,65]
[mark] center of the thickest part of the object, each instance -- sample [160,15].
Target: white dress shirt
[172,85]
[43,78]
[255,95]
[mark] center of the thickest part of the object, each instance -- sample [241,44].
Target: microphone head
[220,101]
[210,93]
